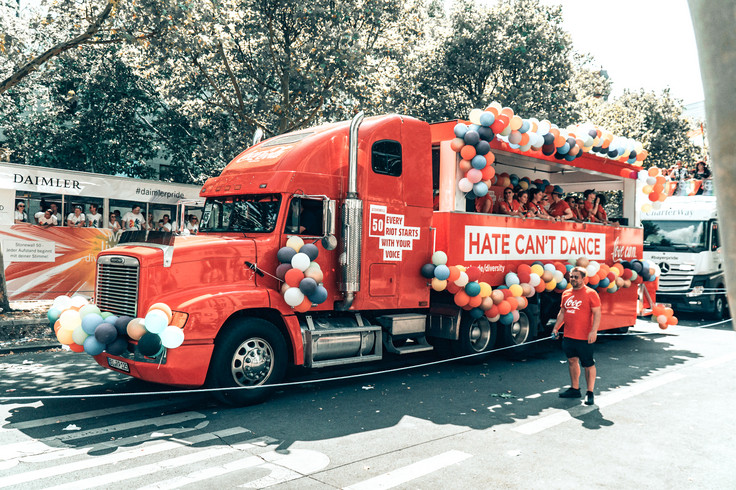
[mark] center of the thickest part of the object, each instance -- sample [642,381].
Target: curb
[29,348]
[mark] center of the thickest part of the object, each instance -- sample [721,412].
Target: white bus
[42,262]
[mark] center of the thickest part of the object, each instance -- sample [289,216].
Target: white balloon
[656,205]
[558,276]
[62,302]
[172,337]
[293,297]
[549,267]
[78,300]
[465,185]
[300,261]
[596,266]
[462,280]
[534,279]
[651,180]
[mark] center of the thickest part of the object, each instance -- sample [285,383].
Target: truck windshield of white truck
[675,236]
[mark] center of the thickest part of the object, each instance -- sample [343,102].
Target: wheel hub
[252,362]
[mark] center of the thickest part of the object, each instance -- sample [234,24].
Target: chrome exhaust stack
[352,224]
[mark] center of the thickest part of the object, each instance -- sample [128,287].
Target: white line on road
[116,457]
[412,471]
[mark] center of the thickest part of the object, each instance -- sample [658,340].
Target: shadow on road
[503,389]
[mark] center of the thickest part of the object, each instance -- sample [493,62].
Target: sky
[646,44]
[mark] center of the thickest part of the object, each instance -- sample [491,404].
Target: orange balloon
[454,274]
[504,308]
[303,306]
[540,287]
[524,139]
[467,152]
[508,111]
[661,180]
[672,320]
[555,132]
[658,188]
[462,298]
[457,144]
[657,310]
[57,326]
[513,303]
[668,312]
[76,347]
[490,158]
[488,172]
[475,301]
[559,141]
[464,165]
[654,196]
[653,171]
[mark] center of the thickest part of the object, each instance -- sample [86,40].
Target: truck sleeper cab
[380,173]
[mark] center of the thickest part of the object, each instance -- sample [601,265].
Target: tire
[720,307]
[251,353]
[517,333]
[620,330]
[476,335]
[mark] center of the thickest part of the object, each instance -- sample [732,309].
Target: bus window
[120,208]
[164,217]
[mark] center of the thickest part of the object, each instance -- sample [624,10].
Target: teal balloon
[53,315]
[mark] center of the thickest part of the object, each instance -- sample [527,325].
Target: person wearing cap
[20,213]
[559,209]
[77,218]
[509,205]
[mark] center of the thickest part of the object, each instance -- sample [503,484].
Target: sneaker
[589,398]
[571,393]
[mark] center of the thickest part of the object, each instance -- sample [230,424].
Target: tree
[514,52]
[654,120]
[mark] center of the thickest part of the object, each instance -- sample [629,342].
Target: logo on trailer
[393,236]
[621,252]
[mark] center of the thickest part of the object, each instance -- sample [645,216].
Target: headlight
[696,291]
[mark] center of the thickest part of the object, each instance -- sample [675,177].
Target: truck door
[397,214]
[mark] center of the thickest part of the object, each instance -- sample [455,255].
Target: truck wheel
[517,332]
[251,353]
[720,307]
[476,335]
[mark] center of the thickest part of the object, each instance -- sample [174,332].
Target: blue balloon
[603,283]
[570,158]
[54,313]
[562,150]
[511,278]
[90,322]
[487,118]
[524,126]
[92,346]
[480,189]
[319,296]
[507,319]
[460,130]
[476,313]
[441,272]
[472,288]
[478,162]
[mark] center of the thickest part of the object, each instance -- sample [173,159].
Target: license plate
[117,364]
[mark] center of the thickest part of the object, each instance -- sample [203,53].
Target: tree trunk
[716,40]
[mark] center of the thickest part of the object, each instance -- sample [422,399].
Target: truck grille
[673,279]
[117,284]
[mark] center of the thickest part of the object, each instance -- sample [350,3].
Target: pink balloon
[474,175]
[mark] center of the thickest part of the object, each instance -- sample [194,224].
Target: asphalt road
[663,419]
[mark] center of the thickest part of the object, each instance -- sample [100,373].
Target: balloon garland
[84,328]
[655,188]
[503,301]
[301,275]
[664,316]
[472,142]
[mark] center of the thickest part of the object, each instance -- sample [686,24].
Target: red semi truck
[365,192]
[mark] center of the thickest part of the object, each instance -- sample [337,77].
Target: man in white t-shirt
[55,212]
[134,219]
[38,216]
[94,218]
[165,223]
[77,218]
[47,219]
[193,225]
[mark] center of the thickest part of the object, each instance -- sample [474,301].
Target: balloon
[439,258]
[511,278]
[62,303]
[92,346]
[89,323]
[319,296]
[462,280]
[136,329]
[308,286]
[121,324]
[163,307]
[106,333]
[516,289]
[460,129]
[285,254]
[439,285]
[295,242]
[442,272]
[78,335]
[117,347]
[311,250]
[89,309]
[79,301]
[65,335]
[304,306]
[156,321]
[70,319]
[76,347]
[282,269]
[53,315]
[294,277]
[150,345]
[465,185]
[472,289]
[293,296]
[300,261]
[427,271]
[314,273]
[172,337]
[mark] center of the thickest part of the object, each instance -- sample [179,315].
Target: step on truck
[377,196]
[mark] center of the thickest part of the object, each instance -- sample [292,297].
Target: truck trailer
[377,197]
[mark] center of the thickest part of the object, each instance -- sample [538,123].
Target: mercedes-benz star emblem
[664,267]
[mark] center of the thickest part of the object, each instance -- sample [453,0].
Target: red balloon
[293,277]
[513,303]
[303,306]
[76,347]
[492,311]
[452,288]
[504,307]
[473,273]
[461,298]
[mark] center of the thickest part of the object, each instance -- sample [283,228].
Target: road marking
[86,415]
[407,473]
[116,457]
[41,445]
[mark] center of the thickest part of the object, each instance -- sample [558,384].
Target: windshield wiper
[682,246]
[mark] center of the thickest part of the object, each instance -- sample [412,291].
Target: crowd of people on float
[536,203]
[680,172]
[48,215]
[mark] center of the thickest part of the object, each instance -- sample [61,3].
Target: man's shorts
[580,349]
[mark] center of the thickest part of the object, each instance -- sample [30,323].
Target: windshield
[255,213]
[674,235]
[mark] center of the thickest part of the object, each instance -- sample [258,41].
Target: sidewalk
[27,328]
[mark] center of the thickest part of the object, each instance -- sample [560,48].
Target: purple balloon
[106,333]
[282,269]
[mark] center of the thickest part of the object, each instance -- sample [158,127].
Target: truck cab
[681,237]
